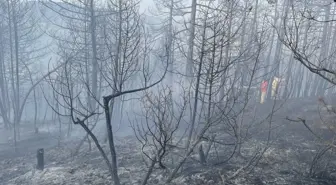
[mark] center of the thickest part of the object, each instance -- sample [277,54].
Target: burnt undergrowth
[294,156]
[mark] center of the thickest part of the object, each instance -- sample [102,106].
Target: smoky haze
[167,92]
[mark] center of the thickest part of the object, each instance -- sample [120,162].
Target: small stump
[40,159]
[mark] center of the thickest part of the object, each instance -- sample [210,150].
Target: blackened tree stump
[40,159]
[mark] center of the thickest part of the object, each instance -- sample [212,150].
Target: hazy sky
[145,4]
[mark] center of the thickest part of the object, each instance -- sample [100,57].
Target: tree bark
[111,141]
[189,67]
[95,140]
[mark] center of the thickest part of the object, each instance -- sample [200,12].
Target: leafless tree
[68,98]
[77,31]
[299,30]
[158,135]
[220,98]
[73,100]
[20,29]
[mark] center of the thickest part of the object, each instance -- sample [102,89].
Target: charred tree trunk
[111,141]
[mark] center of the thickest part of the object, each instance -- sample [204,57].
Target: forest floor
[287,161]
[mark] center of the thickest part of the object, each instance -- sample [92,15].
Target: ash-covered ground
[291,157]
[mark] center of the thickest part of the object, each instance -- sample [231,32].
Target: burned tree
[159,132]
[71,100]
